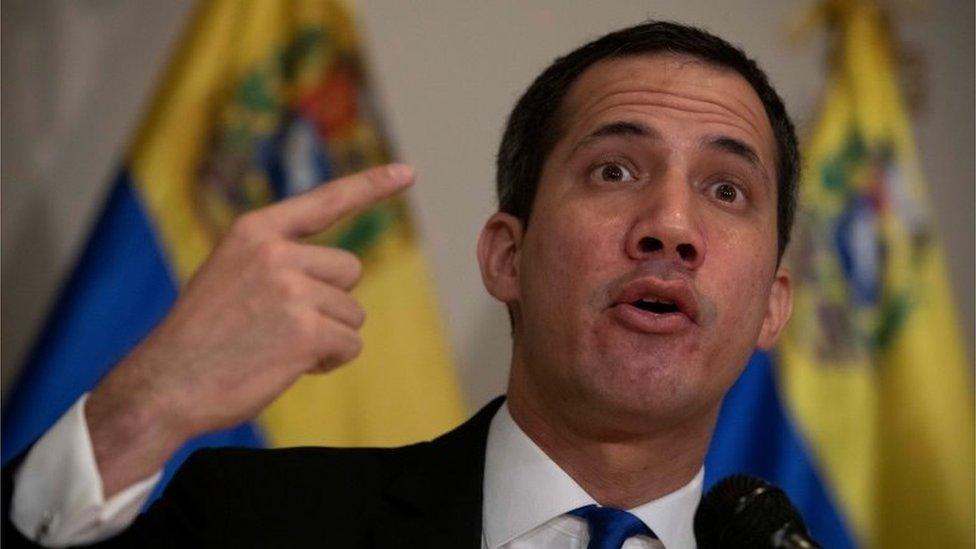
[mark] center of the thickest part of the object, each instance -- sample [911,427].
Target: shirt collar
[525,489]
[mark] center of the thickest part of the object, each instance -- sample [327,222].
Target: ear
[778,310]
[499,250]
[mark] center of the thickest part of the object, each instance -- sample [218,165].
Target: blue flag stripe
[120,288]
[754,435]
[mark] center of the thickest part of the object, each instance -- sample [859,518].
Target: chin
[642,394]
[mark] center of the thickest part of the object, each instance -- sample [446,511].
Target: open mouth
[656,306]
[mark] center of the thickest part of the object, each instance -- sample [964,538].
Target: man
[646,184]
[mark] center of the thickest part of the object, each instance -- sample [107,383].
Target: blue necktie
[610,527]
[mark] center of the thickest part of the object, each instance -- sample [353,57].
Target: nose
[667,226]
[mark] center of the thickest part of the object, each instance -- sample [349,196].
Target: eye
[613,172]
[727,192]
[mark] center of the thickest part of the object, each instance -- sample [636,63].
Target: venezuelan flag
[264,99]
[864,414]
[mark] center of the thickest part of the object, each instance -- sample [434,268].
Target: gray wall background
[77,74]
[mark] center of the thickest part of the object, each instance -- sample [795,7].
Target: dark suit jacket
[424,495]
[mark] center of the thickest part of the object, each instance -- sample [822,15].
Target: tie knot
[610,527]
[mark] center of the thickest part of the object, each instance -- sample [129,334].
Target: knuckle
[350,268]
[304,324]
[358,316]
[288,288]
[248,225]
[342,346]
[351,348]
[341,199]
[355,271]
[376,176]
[269,254]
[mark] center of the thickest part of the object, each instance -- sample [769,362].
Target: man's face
[648,272]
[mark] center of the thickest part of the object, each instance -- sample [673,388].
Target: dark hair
[533,126]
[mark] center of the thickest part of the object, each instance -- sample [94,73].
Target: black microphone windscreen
[745,511]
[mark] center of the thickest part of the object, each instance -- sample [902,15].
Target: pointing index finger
[316,210]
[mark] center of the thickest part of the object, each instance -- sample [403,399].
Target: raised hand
[262,310]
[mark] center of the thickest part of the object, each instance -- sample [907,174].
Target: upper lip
[678,292]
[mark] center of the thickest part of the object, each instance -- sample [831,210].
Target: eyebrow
[628,128]
[620,128]
[738,148]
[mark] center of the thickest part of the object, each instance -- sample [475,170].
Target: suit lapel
[436,499]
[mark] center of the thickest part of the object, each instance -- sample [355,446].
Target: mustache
[662,270]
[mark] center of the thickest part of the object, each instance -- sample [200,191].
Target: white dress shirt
[58,500]
[527,497]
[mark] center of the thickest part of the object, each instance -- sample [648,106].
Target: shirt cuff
[58,499]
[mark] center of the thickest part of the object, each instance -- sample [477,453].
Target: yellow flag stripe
[892,425]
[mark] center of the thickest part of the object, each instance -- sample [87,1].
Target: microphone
[742,511]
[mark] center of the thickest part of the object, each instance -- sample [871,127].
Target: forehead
[701,97]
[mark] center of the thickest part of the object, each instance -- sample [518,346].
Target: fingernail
[400,171]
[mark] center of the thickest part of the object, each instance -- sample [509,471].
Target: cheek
[741,291]
[574,246]
[567,261]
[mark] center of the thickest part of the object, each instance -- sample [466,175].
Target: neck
[621,470]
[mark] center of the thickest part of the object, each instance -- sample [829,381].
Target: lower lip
[639,320]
